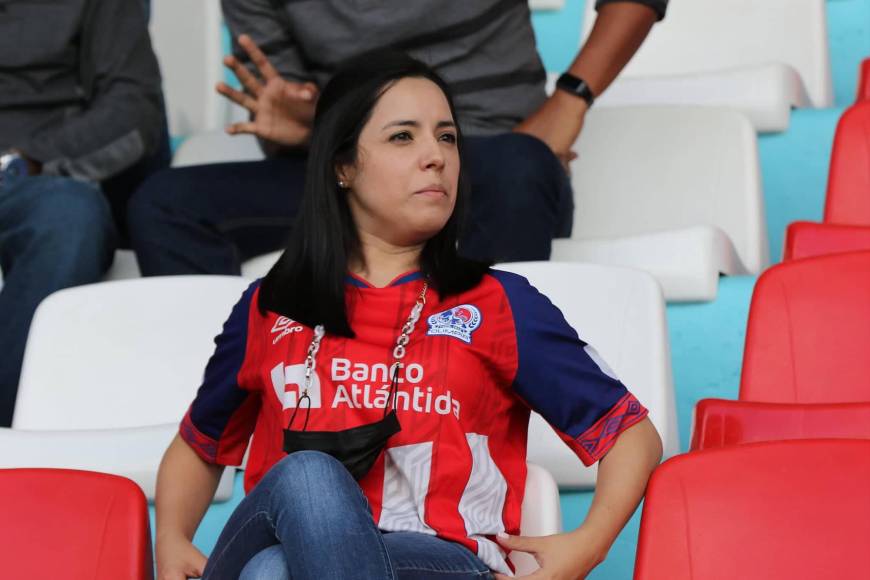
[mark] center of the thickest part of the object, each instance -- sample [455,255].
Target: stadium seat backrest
[186,35]
[707,35]
[125,353]
[217,147]
[721,422]
[864,81]
[848,196]
[649,169]
[808,336]
[791,509]
[78,525]
[541,515]
[621,313]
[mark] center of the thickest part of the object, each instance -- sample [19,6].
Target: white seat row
[675,191]
[110,368]
[109,371]
[760,58]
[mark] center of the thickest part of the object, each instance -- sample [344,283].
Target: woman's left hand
[568,556]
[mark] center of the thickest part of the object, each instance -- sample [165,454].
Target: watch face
[12,167]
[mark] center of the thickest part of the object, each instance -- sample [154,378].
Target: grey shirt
[79,85]
[485,49]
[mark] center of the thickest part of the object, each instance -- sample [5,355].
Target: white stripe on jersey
[406,483]
[482,502]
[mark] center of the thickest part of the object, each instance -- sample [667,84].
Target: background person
[208,219]
[81,124]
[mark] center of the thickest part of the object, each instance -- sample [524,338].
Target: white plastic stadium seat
[673,190]
[186,35]
[110,369]
[621,313]
[134,453]
[126,353]
[259,266]
[541,514]
[760,57]
[216,147]
[124,266]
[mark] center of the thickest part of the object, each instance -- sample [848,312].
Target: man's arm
[123,120]
[618,32]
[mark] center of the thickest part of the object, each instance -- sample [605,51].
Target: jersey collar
[355,280]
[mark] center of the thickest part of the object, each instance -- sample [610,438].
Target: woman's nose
[433,157]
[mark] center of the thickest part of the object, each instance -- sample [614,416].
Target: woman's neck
[380,262]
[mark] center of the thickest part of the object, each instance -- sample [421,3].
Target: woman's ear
[344,176]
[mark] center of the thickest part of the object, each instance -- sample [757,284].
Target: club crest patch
[458,322]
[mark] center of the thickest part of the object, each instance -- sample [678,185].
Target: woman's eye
[403,136]
[448,138]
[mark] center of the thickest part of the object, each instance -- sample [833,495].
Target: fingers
[252,85]
[300,91]
[238,97]
[198,567]
[246,127]
[520,543]
[257,57]
[538,575]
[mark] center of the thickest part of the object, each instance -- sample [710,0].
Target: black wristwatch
[13,165]
[576,86]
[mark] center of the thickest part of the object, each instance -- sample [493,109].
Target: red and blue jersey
[475,366]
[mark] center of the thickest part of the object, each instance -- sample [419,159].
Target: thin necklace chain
[398,351]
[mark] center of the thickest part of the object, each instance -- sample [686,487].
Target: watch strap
[576,86]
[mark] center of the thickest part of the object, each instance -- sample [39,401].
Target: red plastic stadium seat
[61,523]
[864,81]
[808,336]
[763,511]
[847,202]
[720,423]
[807,239]
[848,196]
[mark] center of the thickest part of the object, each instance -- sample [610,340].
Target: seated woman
[387,381]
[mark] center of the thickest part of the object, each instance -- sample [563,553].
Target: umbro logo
[284,326]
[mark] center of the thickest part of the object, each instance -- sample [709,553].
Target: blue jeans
[308,519]
[207,219]
[55,232]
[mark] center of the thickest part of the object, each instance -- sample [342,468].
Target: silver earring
[342,184]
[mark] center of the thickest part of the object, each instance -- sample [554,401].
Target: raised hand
[281,111]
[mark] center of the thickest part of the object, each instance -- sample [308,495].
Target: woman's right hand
[178,559]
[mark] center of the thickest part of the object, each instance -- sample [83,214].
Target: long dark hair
[307,284]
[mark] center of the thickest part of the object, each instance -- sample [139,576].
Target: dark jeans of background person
[308,519]
[55,232]
[207,219]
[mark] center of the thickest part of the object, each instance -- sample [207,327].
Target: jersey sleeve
[221,419]
[563,378]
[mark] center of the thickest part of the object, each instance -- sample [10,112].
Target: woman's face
[404,182]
